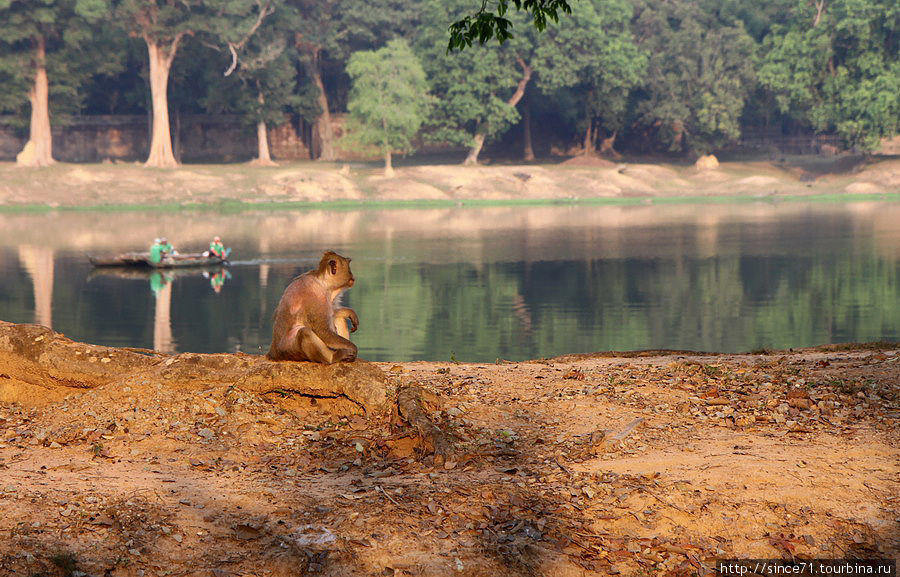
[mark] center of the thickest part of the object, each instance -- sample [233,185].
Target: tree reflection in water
[481,283]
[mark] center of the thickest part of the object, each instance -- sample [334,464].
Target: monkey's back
[303,303]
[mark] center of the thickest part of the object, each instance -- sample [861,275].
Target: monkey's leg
[341,328]
[314,348]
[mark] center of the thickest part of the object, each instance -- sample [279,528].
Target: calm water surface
[478,284]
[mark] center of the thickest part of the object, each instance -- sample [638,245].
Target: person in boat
[161,248]
[217,249]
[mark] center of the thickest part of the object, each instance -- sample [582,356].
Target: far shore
[310,184]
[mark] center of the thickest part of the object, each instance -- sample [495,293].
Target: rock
[708,162]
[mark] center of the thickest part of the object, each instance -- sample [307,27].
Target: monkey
[309,323]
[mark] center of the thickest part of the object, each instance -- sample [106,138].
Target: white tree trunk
[324,127]
[388,167]
[474,150]
[161,154]
[38,151]
[262,137]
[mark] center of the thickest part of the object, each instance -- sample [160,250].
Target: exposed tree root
[411,401]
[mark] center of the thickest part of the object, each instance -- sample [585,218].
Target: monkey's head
[335,270]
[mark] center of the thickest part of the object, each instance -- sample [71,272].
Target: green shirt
[158,250]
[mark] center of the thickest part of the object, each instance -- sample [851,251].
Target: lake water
[478,284]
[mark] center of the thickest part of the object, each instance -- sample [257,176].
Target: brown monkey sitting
[309,323]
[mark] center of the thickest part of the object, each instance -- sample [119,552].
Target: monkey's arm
[347,313]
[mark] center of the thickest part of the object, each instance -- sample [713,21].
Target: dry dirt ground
[597,179]
[647,464]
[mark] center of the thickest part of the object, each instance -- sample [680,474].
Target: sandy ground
[232,186]
[648,464]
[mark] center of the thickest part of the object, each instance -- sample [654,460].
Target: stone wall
[197,138]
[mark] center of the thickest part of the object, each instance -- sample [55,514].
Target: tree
[835,66]
[163,25]
[268,78]
[593,54]
[39,38]
[388,101]
[490,22]
[476,92]
[329,32]
[699,74]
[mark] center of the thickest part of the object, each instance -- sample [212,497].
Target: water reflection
[162,313]
[38,261]
[478,283]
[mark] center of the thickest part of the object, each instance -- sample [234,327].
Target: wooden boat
[145,272]
[142,260]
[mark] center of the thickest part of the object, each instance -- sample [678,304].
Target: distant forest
[640,76]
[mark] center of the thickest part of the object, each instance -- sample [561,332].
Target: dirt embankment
[68,185]
[656,463]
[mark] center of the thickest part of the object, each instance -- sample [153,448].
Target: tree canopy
[389,98]
[684,77]
[835,65]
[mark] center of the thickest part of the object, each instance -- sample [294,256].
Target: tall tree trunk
[478,140]
[161,140]
[589,138]
[38,150]
[474,150]
[388,166]
[262,136]
[589,131]
[263,157]
[528,149]
[324,127]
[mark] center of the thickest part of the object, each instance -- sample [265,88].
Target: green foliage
[266,74]
[594,53]
[491,22]
[389,99]
[700,72]
[77,46]
[471,88]
[682,72]
[838,69]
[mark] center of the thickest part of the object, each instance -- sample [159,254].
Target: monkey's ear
[333,264]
